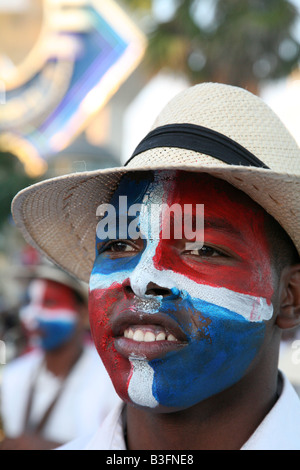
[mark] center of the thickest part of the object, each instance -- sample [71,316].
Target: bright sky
[283,97]
[14,5]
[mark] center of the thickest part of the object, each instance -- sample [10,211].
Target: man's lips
[144,335]
[135,318]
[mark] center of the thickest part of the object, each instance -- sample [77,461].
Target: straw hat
[213,128]
[50,272]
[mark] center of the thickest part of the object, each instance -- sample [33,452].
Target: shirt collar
[280,428]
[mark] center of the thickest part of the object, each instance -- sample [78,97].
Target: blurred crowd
[54,387]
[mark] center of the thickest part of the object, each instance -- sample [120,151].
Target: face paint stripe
[216,370]
[37,291]
[255,244]
[147,385]
[31,313]
[250,307]
[141,383]
[220,305]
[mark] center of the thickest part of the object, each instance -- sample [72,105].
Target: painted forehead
[232,222]
[223,203]
[42,289]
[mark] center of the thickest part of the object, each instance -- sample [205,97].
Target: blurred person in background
[52,393]
[11,332]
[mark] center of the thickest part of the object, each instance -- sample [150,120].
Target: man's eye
[118,247]
[206,251]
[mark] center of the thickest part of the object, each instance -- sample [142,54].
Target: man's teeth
[148,336]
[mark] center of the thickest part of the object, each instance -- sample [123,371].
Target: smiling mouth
[147,336]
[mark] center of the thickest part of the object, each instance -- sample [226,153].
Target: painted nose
[151,289]
[146,280]
[156,290]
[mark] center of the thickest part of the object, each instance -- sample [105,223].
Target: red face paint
[234,224]
[57,296]
[234,229]
[51,299]
[101,303]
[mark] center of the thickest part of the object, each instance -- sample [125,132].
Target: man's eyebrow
[220,224]
[216,223]
[210,222]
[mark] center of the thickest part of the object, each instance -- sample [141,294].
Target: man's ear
[289,308]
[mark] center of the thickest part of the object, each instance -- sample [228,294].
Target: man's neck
[60,361]
[223,422]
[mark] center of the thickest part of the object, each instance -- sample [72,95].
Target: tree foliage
[12,179]
[240,42]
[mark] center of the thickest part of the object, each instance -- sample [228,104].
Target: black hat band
[199,139]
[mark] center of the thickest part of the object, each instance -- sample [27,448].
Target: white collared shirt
[280,429]
[84,403]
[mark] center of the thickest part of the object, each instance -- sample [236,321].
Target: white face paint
[36,310]
[30,313]
[221,314]
[252,308]
[50,314]
[140,385]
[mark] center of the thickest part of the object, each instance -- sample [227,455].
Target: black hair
[80,299]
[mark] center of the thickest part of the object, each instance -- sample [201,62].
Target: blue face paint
[104,265]
[55,333]
[119,221]
[217,355]
[224,326]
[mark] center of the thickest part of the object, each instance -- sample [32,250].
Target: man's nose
[155,289]
[143,287]
[147,280]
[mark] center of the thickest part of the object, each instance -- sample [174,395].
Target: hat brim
[49,272]
[58,216]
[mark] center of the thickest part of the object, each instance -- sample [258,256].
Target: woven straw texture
[58,216]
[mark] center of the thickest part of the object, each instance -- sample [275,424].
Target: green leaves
[12,179]
[240,42]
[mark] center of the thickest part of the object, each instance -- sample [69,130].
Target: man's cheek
[218,355]
[100,304]
[118,368]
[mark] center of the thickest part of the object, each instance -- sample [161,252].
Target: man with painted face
[47,393]
[191,251]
